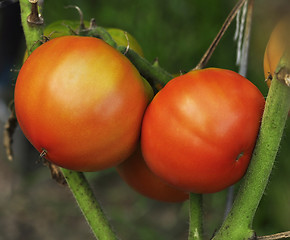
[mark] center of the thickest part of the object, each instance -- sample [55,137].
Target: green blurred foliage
[178,32]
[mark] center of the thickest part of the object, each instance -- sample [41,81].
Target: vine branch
[88,204]
[275,236]
[207,55]
[195,217]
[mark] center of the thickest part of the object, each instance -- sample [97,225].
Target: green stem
[152,72]
[238,224]
[88,204]
[195,217]
[33,32]
[99,32]
[155,75]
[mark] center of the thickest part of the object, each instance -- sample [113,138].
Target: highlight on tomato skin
[138,176]
[73,98]
[199,131]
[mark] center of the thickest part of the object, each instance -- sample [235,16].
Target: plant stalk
[156,75]
[238,224]
[88,204]
[195,217]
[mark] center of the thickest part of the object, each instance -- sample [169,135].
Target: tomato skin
[137,175]
[73,98]
[198,125]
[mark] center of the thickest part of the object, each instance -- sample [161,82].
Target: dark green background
[178,32]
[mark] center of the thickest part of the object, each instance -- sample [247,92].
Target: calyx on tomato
[199,131]
[67,27]
[82,102]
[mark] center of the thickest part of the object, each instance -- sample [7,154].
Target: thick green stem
[238,224]
[88,204]
[153,73]
[195,217]
[99,32]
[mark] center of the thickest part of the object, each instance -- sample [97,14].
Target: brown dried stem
[282,235]
[205,58]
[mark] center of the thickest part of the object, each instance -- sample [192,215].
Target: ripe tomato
[199,131]
[275,48]
[82,101]
[136,174]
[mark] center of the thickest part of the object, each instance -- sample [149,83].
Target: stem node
[34,18]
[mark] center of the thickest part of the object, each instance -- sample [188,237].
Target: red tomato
[199,131]
[82,101]
[136,174]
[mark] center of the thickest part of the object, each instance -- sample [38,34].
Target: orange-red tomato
[81,101]
[275,49]
[199,131]
[136,174]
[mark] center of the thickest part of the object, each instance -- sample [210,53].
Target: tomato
[66,28]
[136,174]
[82,101]
[199,131]
[274,50]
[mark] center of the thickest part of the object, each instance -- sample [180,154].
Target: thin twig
[246,41]
[9,130]
[282,235]
[222,31]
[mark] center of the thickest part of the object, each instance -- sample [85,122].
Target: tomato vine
[238,224]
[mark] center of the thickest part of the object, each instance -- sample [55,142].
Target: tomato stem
[89,205]
[99,32]
[156,75]
[238,224]
[195,217]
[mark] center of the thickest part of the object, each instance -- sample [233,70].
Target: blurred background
[178,32]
